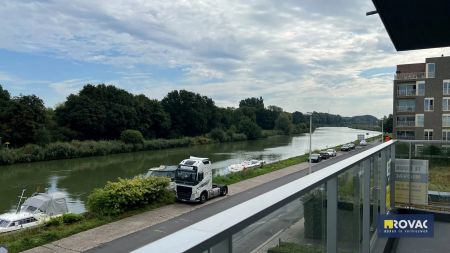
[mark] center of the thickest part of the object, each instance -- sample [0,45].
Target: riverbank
[238,182]
[78,149]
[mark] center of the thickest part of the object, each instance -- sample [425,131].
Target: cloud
[299,54]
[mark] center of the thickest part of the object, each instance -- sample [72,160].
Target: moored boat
[36,210]
[247,164]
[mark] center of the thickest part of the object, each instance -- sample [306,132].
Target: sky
[301,55]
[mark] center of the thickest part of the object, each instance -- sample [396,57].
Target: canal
[78,177]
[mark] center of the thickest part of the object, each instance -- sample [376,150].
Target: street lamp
[382,130]
[310,132]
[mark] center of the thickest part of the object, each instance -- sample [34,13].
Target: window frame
[418,83]
[444,83]
[427,136]
[428,70]
[446,134]
[447,116]
[425,106]
[417,121]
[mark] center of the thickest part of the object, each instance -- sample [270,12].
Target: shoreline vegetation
[103,119]
[133,200]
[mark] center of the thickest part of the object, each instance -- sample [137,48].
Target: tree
[249,128]
[283,123]
[297,118]
[98,112]
[257,103]
[22,119]
[191,114]
[131,136]
[153,121]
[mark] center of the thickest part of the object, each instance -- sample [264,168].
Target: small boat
[164,171]
[247,164]
[36,210]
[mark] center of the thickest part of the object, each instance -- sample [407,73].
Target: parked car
[345,147]
[331,152]
[363,143]
[324,155]
[315,158]
[351,145]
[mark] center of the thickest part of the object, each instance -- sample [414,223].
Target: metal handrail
[406,123]
[212,230]
[410,76]
[406,108]
[408,93]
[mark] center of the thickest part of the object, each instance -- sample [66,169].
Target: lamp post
[382,131]
[310,133]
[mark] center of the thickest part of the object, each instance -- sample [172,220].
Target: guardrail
[410,76]
[406,123]
[266,220]
[402,108]
[406,93]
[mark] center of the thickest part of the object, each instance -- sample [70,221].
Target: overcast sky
[306,55]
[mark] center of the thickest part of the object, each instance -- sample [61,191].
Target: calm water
[78,177]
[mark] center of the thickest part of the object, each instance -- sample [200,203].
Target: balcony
[335,209]
[406,93]
[406,108]
[404,123]
[410,76]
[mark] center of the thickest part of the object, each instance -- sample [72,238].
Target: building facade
[422,100]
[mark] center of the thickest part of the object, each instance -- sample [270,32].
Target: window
[429,104]
[446,104]
[419,120]
[428,134]
[431,69]
[420,88]
[446,87]
[446,135]
[446,120]
[4,223]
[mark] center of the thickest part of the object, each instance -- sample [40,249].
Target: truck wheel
[203,198]
[224,191]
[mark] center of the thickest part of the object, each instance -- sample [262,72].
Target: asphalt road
[140,238]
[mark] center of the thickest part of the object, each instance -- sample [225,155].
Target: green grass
[439,175]
[30,238]
[243,175]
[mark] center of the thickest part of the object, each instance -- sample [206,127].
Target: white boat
[36,210]
[247,164]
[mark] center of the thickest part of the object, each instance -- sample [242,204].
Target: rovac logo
[411,225]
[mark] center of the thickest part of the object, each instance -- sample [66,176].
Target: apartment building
[422,100]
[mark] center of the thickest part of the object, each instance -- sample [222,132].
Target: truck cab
[193,180]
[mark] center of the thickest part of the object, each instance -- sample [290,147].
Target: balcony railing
[309,208]
[402,123]
[406,108]
[410,76]
[408,93]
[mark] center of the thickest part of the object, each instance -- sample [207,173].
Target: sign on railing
[411,183]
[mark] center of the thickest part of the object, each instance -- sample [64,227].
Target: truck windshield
[4,223]
[187,177]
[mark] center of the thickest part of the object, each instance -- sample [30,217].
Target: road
[140,238]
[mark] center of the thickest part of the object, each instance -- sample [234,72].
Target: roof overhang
[416,24]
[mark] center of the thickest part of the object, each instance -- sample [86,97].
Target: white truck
[193,181]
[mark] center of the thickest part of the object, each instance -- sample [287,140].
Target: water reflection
[78,177]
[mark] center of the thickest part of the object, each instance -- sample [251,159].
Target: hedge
[128,194]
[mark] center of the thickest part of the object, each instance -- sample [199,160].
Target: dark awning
[416,24]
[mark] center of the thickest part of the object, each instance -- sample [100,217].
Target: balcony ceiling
[416,24]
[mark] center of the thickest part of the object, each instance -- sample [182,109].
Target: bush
[69,218]
[8,156]
[127,194]
[239,137]
[132,136]
[218,134]
[54,222]
[250,129]
[60,150]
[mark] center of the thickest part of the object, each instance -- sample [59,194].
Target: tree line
[104,112]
